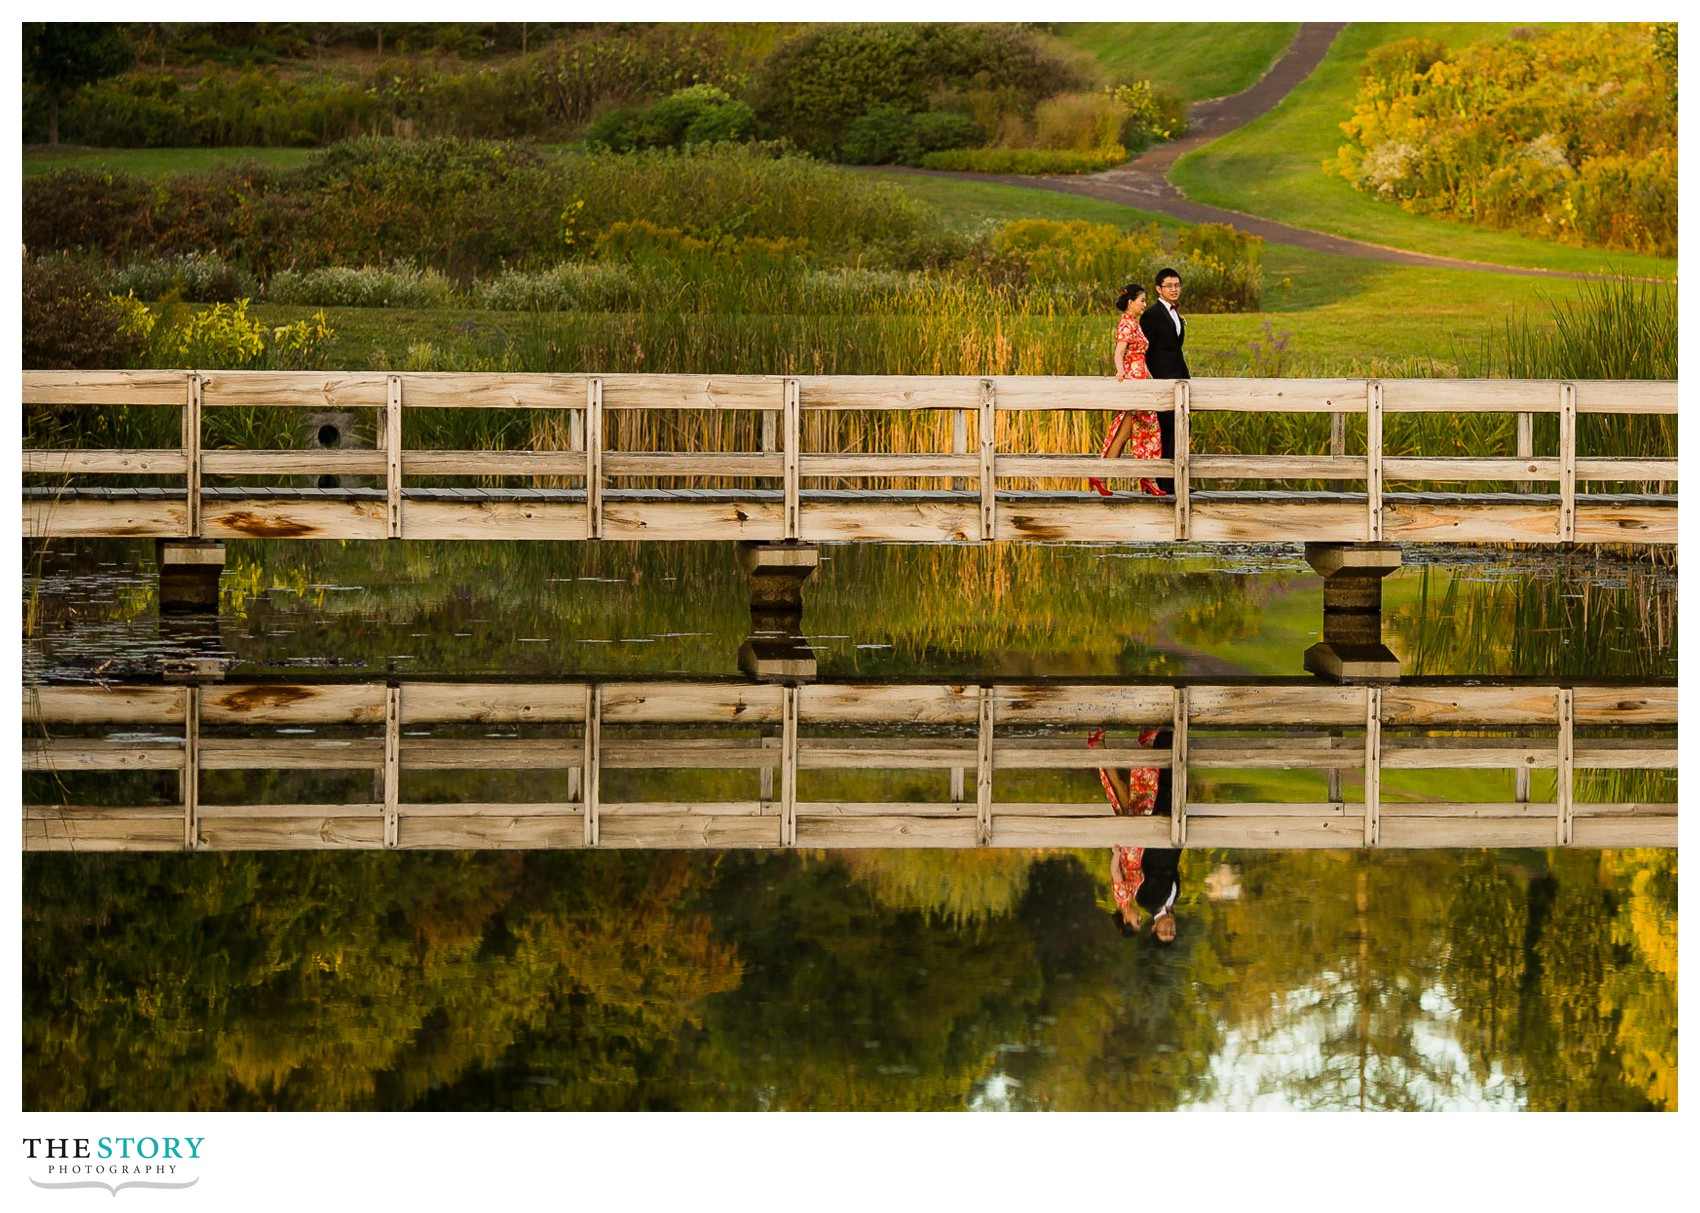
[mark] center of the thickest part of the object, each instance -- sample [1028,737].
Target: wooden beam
[1525,444]
[392,765]
[192,453]
[959,444]
[104,387]
[788,745]
[792,425]
[1180,755]
[983,768]
[392,461]
[592,791]
[1566,794]
[1567,460]
[191,778]
[1183,456]
[593,462]
[1374,453]
[167,462]
[1372,769]
[988,460]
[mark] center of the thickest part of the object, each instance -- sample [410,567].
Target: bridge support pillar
[188,575]
[776,572]
[1351,649]
[777,650]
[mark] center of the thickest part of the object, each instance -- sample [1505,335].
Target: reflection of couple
[1143,878]
[1150,344]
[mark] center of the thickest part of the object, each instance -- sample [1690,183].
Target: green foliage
[63,56]
[193,277]
[1152,115]
[1567,134]
[1221,267]
[69,323]
[1639,317]
[1023,160]
[399,284]
[699,114]
[816,84]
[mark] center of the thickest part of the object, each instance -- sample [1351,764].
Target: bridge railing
[601,750]
[975,465]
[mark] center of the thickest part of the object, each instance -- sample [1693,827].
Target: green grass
[967,206]
[1192,59]
[1273,168]
[155,161]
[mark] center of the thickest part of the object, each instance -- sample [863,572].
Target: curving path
[1143,182]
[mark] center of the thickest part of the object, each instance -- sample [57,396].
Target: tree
[62,56]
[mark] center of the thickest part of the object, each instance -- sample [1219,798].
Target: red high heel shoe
[1104,490]
[1150,489]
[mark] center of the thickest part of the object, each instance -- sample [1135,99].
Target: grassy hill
[1273,168]
[1194,60]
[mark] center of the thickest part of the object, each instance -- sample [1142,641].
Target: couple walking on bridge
[1142,879]
[1150,344]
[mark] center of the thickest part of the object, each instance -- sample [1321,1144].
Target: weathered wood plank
[889,391]
[484,390]
[1068,393]
[1625,523]
[292,834]
[1626,396]
[489,833]
[492,703]
[846,703]
[1125,519]
[293,703]
[1401,832]
[664,464]
[1277,808]
[1623,832]
[1436,522]
[1109,831]
[220,812]
[1618,468]
[492,520]
[687,808]
[292,463]
[165,462]
[1432,469]
[1439,706]
[1278,467]
[694,520]
[1469,396]
[887,832]
[695,832]
[896,522]
[292,519]
[68,519]
[563,464]
[1285,832]
[1086,706]
[1233,395]
[628,391]
[105,387]
[290,754]
[1450,753]
[99,754]
[1626,705]
[1625,808]
[1278,705]
[491,754]
[1625,755]
[113,834]
[1299,522]
[103,705]
[1545,810]
[292,389]
[885,808]
[1080,467]
[863,467]
[678,703]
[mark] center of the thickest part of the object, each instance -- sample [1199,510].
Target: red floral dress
[1146,441]
[1126,871]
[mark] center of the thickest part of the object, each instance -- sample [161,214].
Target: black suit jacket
[1166,359]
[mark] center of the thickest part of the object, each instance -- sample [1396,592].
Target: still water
[841,980]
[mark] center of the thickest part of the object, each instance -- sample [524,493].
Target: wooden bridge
[591,491]
[590,740]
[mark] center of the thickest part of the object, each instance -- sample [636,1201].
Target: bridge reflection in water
[1002,757]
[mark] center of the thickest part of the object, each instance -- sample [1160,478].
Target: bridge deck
[587,741]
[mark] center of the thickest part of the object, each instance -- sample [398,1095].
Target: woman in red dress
[1135,795]
[1131,433]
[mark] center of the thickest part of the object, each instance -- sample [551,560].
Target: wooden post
[1337,435]
[958,784]
[959,443]
[988,460]
[192,453]
[788,772]
[1522,793]
[392,766]
[983,777]
[793,427]
[1336,794]
[592,765]
[1373,450]
[1372,769]
[191,781]
[1566,764]
[1525,446]
[769,431]
[1179,751]
[575,429]
[593,459]
[764,782]
[1183,459]
[392,452]
[1567,462]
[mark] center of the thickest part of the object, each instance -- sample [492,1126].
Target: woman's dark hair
[1130,292]
[1127,929]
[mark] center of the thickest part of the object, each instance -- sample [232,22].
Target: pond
[844,979]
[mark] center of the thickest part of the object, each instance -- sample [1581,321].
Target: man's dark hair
[1166,273]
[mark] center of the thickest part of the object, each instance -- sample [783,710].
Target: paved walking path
[1143,183]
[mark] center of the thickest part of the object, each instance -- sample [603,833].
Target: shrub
[1026,161]
[223,335]
[1222,268]
[194,277]
[1077,122]
[86,210]
[699,114]
[1151,115]
[816,84]
[1567,134]
[881,136]
[946,130]
[571,287]
[69,323]
[399,284]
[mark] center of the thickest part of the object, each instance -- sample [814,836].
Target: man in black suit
[1166,359]
[1154,873]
